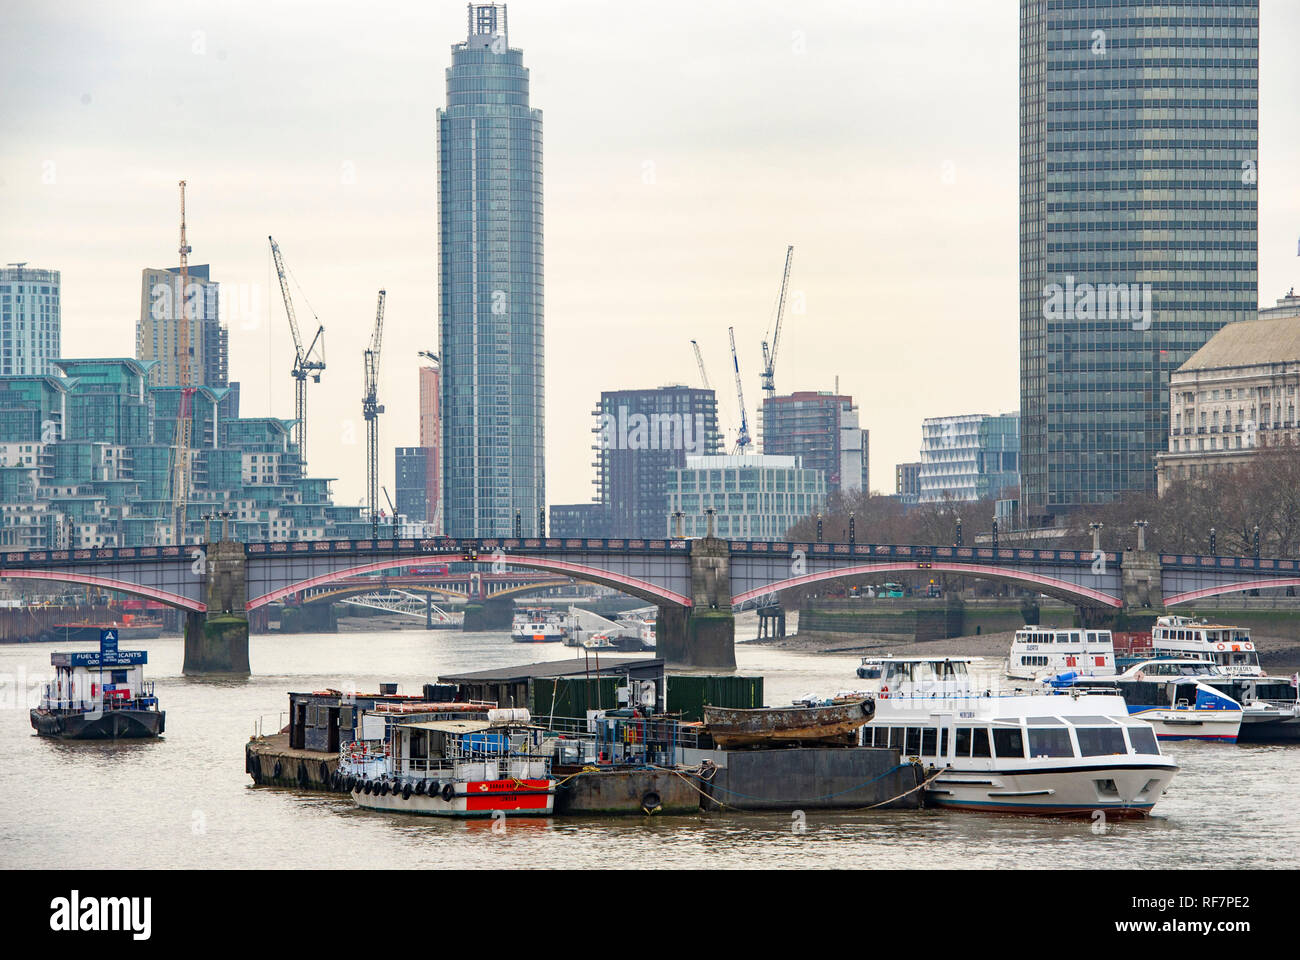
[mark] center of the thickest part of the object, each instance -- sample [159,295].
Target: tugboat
[99,695]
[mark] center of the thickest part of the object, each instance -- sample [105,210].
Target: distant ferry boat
[1008,751]
[1038,652]
[99,695]
[1184,638]
[538,626]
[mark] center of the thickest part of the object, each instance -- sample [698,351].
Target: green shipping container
[573,696]
[689,694]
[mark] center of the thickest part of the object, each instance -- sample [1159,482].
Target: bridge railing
[485,549]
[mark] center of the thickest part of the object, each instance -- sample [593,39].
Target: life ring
[406,791]
[650,803]
[884,693]
[448,791]
[1221,647]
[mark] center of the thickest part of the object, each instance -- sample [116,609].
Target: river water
[185,800]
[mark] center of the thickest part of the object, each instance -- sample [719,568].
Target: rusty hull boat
[833,724]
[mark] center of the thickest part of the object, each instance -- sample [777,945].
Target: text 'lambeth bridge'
[695,583]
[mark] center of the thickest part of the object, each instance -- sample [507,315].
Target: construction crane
[309,362]
[769,356]
[699,359]
[742,437]
[181,439]
[371,408]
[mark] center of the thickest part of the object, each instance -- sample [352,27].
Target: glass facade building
[490,286]
[29,320]
[967,457]
[753,497]
[1138,227]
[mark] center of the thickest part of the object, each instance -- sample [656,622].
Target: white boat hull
[1074,790]
[1218,725]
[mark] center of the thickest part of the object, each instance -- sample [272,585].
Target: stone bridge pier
[216,642]
[703,635]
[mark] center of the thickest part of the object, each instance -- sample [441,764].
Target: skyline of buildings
[490,287]
[1138,227]
[1087,218]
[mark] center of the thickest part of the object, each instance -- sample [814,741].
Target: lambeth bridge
[696,583]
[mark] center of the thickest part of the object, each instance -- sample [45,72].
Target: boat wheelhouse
[461,768]
[99,695]
[1038,652]
[1173,696]
[1184,638]
[1015,751]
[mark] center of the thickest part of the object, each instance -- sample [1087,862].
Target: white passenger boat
[1173,696]
[460,768]
[1038,652]
[538,625]
[1184,638]
[1011,751]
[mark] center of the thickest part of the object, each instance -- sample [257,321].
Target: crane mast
[371,408]
[742,437]
[181,439]
[699,360]
[769,356]
[308,362]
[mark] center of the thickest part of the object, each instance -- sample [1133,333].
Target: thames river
[185,800]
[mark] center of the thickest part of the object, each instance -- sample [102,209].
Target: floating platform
[809,778]
[623,792]
[271,762]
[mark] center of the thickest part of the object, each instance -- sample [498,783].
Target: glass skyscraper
[1138,227]
[490,286]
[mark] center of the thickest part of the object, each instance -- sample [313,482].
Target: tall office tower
[641,437]
[490,286]
[1138,227]
[29,320]
[431,440]
[156,334]
[821,428]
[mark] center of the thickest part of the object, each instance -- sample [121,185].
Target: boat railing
[259,724]
[648,739]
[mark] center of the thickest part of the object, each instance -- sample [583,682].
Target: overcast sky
[686,144]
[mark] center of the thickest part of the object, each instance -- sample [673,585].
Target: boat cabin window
[1008,743]
[980,748]
[419,744]
[1050,742]
[914,740]
[1100,741]
[963,742]
[871,671]
[1143,739]
[943,742]
[929,741]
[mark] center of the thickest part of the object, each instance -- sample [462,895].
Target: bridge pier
[1142,587]
[705,634]
[495,614]
[217,641]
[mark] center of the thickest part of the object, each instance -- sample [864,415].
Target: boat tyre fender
[302,774]
[448,791]
[325,773]
[277,771]
[365,787]
[406,791]
[650,803]
[419,788]
[868,708]
[384,788]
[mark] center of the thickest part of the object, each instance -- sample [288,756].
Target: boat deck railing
[142,700]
